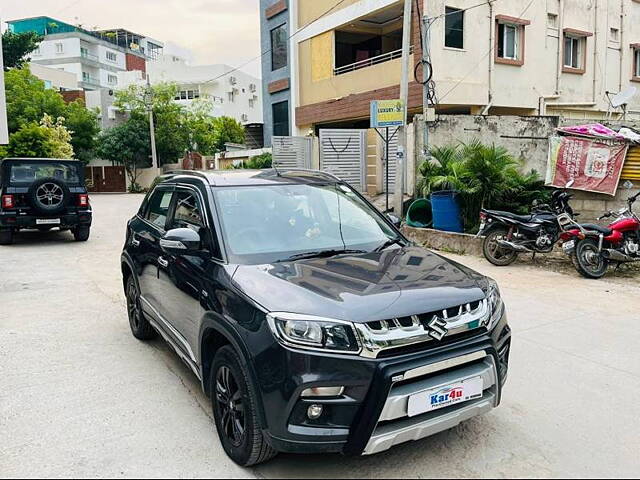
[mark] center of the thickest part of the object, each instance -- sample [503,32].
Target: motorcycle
[593,247]
[507,234]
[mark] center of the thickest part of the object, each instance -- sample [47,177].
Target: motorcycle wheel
[497,255]
[588,261]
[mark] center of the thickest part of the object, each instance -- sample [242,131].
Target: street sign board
[387,113]
[4,134]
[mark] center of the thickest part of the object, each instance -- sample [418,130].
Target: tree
[172,139]
[84,127]
[199,126]
[127,144]
[227,130]
[17,46]
[49,139]
[28,99]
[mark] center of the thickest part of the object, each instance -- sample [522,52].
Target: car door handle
[134,241]
[162,262]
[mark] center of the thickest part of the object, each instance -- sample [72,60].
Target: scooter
[593,248]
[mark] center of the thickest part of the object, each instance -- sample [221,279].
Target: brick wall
[134,62]
[275,9]
[73,95]
[278,86]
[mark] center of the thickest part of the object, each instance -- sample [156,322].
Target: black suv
[312,323]
[43,194]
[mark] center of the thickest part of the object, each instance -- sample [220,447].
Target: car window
[188,213]
[159,208]
[28,172]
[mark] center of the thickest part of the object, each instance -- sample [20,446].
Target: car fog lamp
[314,412]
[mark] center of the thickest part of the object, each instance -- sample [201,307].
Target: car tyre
[81,233]
[235,408]
[140,326]
[494,253]
[6,237]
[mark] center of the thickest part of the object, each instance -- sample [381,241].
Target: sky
[204,31]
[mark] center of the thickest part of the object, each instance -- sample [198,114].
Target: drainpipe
[622,49]
[560,44]
[492,40]
[542,103]
[595,52]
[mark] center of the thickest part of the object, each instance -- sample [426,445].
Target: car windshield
[266,224]
[28,172]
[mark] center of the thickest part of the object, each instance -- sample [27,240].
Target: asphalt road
[80,397]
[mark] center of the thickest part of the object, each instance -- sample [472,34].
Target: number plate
[445,396]
[482,227]
[48,221]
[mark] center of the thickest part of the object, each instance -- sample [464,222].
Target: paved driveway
[79,396]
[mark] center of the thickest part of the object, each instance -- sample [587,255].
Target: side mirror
[181,241]
[397,222]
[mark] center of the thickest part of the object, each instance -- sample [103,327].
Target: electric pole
[427,72]
[152,128]
[401,159]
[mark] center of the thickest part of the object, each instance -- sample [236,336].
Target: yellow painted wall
[310,10]
[322,56]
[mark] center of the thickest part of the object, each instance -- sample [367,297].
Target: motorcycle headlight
[314,333]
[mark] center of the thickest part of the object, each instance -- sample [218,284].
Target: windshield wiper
[321,254]
[388,243]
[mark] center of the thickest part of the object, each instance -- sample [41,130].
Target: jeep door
[146,234]
[183,297]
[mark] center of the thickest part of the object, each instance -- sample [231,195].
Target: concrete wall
[56,77]
[525,138]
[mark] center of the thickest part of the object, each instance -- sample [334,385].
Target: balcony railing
[385,57]
[90,80]
[89,56]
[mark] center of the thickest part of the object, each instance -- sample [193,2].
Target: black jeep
[43,194]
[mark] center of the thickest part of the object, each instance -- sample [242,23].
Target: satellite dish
[624,97]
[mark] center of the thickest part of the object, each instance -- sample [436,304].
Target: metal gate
[343,153]
[105,179]
[292,152]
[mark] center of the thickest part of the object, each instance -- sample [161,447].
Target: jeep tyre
[48,196]
[140,326]
[81,233]
[235,407]
[6,237]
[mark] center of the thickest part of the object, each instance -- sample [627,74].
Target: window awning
[577,33]
[514,20]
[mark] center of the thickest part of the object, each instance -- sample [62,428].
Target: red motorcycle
[593,247]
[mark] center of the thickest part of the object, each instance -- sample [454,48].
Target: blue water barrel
[446,211]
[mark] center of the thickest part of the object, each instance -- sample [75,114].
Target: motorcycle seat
[598,228]
[519,218]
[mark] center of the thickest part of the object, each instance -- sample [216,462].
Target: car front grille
[434,328]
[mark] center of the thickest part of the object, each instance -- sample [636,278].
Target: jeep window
[264,224]
[159,208]
[188,212]
[29,172]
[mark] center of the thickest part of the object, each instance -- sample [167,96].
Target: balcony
[385,57]
[89,56]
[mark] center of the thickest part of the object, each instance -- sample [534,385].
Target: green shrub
[485,176]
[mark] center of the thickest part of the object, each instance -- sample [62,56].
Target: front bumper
[371,416]
[67,219]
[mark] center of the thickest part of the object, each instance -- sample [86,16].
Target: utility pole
[4,133]
[427,72]
[401,160]
[152,128]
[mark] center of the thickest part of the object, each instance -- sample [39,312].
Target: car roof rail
[194,173]
[320,173]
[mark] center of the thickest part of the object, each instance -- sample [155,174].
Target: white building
[235,95]
[55,78]
[4,134]
[94,57]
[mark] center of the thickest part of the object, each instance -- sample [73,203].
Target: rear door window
[158,210]
[21,173]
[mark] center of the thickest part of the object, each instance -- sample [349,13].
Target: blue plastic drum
[446,212]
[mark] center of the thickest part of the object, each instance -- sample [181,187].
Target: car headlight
[314,333]
[495,302]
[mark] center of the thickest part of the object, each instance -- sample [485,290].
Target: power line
[235,69]
[481,58]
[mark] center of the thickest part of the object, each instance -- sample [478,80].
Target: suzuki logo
[438,328]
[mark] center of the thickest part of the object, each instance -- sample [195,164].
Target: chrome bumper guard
[395,427]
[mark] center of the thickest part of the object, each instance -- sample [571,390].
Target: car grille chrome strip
[421,328]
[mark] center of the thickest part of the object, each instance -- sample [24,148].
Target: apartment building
[95,57]
[555,57]
[234,94]
[55,78]
[4,132]
[276,68]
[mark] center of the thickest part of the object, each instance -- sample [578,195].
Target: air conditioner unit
[245,117]
[233,80]
[252,87]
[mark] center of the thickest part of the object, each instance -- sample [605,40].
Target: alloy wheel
[50,194]
[231,406]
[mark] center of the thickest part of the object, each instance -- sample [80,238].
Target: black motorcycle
[507,234]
